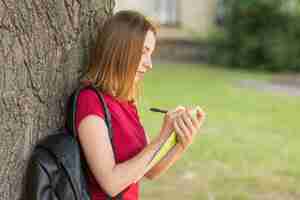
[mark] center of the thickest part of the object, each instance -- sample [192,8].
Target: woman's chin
[139,77]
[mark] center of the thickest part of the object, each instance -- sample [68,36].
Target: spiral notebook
[167,145]
[163,150]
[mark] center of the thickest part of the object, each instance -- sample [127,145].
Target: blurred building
[197,16]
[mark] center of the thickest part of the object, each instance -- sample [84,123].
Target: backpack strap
[71,119]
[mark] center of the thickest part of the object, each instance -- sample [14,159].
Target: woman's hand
[186,126]
[168,122]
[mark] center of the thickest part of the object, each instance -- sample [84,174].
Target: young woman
[119,62]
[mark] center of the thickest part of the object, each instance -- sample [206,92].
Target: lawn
[248,147]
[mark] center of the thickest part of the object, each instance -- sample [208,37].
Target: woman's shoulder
[88,103]
[89,95]
[88,99]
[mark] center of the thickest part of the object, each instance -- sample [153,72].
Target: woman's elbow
[110,187]
[107,185]
[112,193]
[110,190]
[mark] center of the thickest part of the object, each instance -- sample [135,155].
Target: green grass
[248,147]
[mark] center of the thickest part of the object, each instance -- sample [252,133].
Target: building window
[167,11]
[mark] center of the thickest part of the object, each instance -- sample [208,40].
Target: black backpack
[57,168]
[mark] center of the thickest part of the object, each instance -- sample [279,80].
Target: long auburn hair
[117,53]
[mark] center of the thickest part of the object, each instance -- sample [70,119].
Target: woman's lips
[141,73]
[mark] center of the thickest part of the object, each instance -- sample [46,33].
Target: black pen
[158,110]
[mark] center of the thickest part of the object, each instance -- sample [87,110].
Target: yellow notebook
[167,145]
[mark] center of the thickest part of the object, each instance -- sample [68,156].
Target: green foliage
[260,34]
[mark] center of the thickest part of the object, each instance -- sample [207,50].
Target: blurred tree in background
[261,34]
[44,49]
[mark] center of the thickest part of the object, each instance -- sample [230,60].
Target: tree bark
[44,46]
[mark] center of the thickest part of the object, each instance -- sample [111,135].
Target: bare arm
[114,178]
[96,145]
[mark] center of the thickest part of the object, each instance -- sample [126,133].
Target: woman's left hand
[186,126]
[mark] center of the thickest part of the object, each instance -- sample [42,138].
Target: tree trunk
[43,50]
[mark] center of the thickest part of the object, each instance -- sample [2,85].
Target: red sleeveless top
[129,134]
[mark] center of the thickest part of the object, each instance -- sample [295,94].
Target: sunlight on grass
[248,147]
